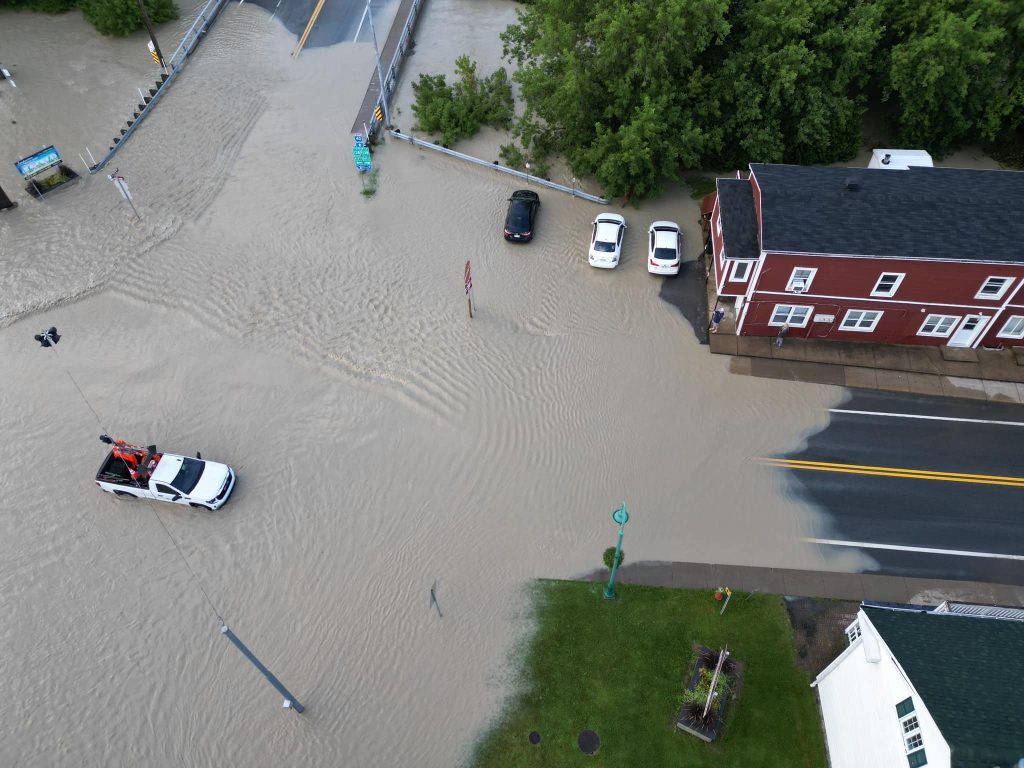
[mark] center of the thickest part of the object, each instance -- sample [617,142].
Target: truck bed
[114,471]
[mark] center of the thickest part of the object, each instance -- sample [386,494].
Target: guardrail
[504,169]
[391,77]
[175,63]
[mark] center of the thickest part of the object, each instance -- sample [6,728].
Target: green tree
[955,71]
[617,87]
[122,17]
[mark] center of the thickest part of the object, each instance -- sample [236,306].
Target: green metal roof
[969,673]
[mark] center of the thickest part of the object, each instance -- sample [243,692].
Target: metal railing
[391,77]
[175,63]
[504,169]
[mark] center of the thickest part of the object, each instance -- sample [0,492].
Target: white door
[969,330]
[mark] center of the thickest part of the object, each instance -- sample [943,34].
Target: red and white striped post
[469,289]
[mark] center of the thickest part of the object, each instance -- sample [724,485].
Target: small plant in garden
[609,556]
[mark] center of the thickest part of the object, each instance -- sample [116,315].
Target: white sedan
[606,240]
[665,250]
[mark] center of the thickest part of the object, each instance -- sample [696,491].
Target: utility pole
[290,702]
[152,34]
[380,74]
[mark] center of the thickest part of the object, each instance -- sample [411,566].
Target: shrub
[609,554]
[458,111]
[121,17]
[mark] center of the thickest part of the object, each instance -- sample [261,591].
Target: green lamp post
[620,516]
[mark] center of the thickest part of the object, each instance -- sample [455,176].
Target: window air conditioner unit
[799,286]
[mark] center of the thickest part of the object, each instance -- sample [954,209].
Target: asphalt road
[935,486]
[338,22]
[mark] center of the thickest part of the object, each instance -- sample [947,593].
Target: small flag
[378,115]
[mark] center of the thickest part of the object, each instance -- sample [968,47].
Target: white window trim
[718,224]
[736,263]
[1007,282]
[1003,334]
[807,283]
[956,322]
[895,286]
[853,631]
[788,320]
[876,312]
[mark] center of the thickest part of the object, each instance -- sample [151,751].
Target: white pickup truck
[131,471]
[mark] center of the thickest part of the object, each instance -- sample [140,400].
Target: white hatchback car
[606,240]
[665,249]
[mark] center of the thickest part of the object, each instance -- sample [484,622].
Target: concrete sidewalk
[977,374]
[830,584]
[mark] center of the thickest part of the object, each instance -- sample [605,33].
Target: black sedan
[522,211]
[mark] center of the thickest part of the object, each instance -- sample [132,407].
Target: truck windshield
[189,474]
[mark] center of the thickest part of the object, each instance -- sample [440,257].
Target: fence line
[175,63]
[504,169]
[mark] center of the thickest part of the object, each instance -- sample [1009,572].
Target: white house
[941,687]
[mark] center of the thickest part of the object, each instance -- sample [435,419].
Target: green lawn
[616,667]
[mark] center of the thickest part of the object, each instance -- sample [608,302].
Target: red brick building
[915,256]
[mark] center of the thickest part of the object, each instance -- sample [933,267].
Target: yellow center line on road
[903,472]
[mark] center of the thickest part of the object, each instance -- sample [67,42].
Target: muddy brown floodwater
[266,313]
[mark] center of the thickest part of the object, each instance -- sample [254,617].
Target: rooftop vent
[851,184]
[887,159]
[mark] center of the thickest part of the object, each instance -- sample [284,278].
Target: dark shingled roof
[917,213]
[969,672]
[739,220]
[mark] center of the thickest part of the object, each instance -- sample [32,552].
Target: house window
[994,288]
[887,284]
[853,631]
[718,225]
[740,271]
[863,320]
[790,314]
[1014,328]
[800,280]
[917,759]
[914,741]
[910,724]
[938,325]
[905,707]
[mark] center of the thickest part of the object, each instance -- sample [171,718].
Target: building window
[938,325]
[853,631]
[917,759]
[994,288]
[718,225]
[887,284]
[800,280]
[910,724]
[1014,328]
[914,741]
[905,707]
[740,271]
[863,320]
[790,314]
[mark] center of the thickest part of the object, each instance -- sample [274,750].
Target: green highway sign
[361,155]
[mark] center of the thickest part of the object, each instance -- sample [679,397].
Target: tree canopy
[110,17]
[635,92]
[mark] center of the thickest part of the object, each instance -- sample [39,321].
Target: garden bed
[691,718]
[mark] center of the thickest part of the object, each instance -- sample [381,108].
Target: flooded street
[267,314]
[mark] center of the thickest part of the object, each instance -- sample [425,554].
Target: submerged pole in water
[290,702]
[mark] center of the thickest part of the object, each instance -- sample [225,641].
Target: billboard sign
[37,163]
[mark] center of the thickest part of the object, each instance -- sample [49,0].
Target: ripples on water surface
[267,314]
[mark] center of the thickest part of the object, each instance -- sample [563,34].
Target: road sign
[361,154]
[469,278]
[153,53]
[378,115]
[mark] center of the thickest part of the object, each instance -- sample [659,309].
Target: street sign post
[361,153]
[469,288]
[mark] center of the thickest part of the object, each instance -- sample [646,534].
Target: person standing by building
[716,318]
[782,335]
